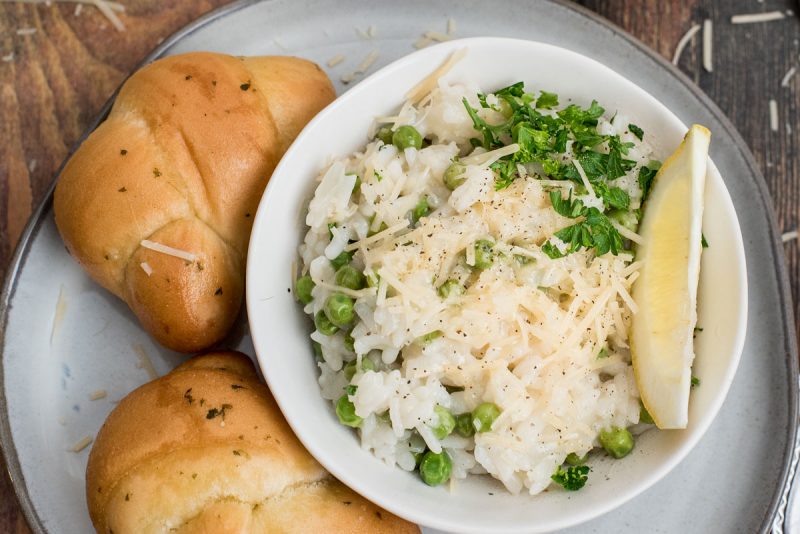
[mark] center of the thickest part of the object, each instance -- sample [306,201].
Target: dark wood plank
[61,75]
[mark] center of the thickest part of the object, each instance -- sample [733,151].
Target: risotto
[469,274]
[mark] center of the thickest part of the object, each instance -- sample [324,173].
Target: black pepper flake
[127,496]
[122,189]
[156,172]
[188,77]
[194,475]
[245,86]
[218,291]
[188,396]
[123,152]
[214,83]
[378,513]
[237,453]
[348,503]
[237,386]
[247,215]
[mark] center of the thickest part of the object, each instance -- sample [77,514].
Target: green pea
[644,415]
[454,176]
[574,459]
[484,415]
[407,137]
[617,442]
[342,259]
[450,287]
[339,309]
[302,289]
[420,210]
[350,368]
[464,426]
[324,325]
[384,133]
[484,255]
[625,218]
[317,349]
[435,469]
[446,422]
[346,411]
[350,278]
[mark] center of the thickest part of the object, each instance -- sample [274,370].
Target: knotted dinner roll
[205,449]
[158,202]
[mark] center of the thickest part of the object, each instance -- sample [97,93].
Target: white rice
[523,336]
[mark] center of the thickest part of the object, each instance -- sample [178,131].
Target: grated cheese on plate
[773,115]
[169,251]
[708,45]
[749,18]
[683,42]
[82,443]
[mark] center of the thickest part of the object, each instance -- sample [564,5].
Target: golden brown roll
[179,166]
[205,449]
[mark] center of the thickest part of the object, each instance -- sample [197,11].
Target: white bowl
[280,329]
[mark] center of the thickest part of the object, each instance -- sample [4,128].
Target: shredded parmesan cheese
[773,115]
[788,77]
[377,237]
[335,60]
[789,236]
[144,361]
[429,82]
[708,43]
[422,42]
[683,42]
[58,317]
[109,14]
[78,9]
[146,268]
[487,158]
[169,251]
[365,64]
[749,18]
[8,58]
[437,36]
[586,183]
[627,234]
[98,394]
[26,31]
[81,443]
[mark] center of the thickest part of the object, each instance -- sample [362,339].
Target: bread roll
[205,449]
[182,161]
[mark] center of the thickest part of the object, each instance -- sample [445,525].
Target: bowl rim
[701,426]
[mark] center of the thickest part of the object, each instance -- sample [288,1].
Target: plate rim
[779,501]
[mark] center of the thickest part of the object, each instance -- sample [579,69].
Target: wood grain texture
[60,76]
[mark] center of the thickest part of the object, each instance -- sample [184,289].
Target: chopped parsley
[703,241]
[552,138]
[695,381]
[572,478]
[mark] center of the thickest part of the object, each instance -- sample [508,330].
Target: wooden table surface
[53,82]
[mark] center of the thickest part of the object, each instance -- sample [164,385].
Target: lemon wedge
[662,347]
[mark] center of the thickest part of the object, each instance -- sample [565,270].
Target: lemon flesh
[662,347]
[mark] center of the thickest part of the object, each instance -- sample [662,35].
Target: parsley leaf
[635,130]
[515,89]
[646,176]
[573,478]
[506,171]
[703,241]
[566,207]
[613,197]
[547,100]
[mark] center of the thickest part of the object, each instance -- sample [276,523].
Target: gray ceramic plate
[63,337]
